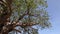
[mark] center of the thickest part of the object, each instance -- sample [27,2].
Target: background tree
[22,16]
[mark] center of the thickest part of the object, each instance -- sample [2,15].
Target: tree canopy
[22,16]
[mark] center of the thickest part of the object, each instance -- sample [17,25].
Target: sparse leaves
[27,13]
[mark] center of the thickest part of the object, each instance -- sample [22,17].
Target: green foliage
[40,15]
[37,13]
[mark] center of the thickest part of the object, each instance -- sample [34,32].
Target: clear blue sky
[54,12]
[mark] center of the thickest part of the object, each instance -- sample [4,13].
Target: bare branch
[17,30]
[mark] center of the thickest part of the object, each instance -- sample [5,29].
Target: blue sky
[54,12]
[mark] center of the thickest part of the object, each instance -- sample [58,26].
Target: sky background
[54,12]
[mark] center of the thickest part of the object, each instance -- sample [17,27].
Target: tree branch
[17,30]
